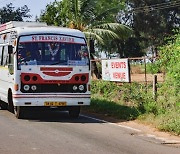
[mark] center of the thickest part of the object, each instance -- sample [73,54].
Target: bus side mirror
[91,46]
[10,49]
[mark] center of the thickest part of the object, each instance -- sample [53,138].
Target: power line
[149,9]
[155,7]
[160,4]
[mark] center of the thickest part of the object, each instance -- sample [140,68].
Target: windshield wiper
[56,63]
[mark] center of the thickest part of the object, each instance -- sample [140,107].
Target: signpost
[115,70]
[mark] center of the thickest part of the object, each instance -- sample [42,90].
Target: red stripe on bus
[2,27]
[51,96]
[32,78]
[57,73]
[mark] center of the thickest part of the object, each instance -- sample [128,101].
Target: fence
[138,70]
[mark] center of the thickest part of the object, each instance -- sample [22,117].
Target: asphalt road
[53,132]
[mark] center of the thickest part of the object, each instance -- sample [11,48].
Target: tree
[151,20]
[86,16]
[9,13]
[83,15]
[169,61]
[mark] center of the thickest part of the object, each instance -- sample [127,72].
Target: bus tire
[74,111]
[19,112]
[10,102]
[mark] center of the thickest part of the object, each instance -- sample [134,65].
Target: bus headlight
[75,87]
[33,87]
[81,87]
[26,87]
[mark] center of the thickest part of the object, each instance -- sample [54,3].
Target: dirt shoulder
[143,129]
[151,131]
[147,77]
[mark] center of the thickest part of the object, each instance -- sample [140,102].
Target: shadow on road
[54,115]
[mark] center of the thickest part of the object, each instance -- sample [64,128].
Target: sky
[35,6]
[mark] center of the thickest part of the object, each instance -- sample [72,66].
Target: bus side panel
[6,80]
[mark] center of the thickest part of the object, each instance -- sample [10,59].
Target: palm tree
[82,15]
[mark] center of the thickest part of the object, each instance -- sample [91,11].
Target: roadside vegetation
[131,101]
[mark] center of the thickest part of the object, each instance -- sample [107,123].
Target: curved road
[53,132]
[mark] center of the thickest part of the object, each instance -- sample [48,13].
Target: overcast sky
[35,6]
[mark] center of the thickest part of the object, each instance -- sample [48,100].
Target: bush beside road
[135,101]
[130,101]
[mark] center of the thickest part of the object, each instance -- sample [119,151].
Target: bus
[43,66]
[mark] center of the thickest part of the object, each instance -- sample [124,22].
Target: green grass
[135,101]
[114,109]
[170,121]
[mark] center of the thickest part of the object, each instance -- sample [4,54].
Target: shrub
[153,68]
[128,101]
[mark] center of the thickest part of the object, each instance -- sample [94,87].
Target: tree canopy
[151,20]
[10,13]
[96,20]
[108,22]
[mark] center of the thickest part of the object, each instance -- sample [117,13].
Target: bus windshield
[52,50]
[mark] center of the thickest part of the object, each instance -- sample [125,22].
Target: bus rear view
[51,69]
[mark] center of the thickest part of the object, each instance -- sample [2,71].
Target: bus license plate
[54,103]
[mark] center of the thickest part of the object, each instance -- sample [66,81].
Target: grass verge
[135,101]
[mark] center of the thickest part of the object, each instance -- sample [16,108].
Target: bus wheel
[10,102]
[74,111]
[19,112]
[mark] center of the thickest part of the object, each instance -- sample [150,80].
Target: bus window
[52,53]
[5,56]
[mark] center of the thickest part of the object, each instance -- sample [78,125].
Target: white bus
[43,66]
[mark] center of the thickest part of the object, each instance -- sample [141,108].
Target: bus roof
[49,30]
[28,28]
[13,24]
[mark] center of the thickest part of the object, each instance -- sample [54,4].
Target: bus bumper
[51,100]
